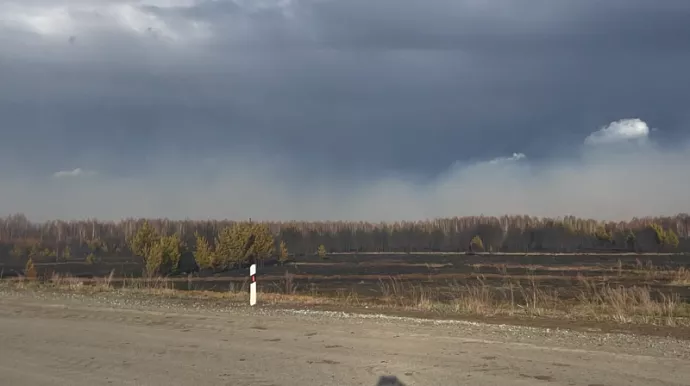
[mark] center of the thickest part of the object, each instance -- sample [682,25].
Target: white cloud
[43,21]
[513,158]
[78,172]
[80,17]
[624,130]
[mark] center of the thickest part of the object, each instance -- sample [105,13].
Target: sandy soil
[59,339]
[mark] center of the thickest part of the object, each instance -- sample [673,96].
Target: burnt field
[442,276]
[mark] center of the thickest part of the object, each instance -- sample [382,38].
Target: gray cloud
[294,109]
[78,172]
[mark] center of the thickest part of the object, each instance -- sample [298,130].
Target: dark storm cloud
[507,27]
[322,96]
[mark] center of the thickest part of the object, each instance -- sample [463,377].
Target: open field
[651,289]
[115,338]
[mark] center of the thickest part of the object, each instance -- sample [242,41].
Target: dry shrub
[350,298]
[423,298]
[681,277]
[398,293]
[482,299]
[476,299]
[64,281]
[233,287]
[392,290]
[538,301]
[628,304]
[104,283]
[288,284]
[30,270]
[151,284]
[502,269]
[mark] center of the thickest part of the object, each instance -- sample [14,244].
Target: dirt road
[84,340]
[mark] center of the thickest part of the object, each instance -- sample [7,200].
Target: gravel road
[114,339]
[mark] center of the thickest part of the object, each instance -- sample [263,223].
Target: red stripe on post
[253,278]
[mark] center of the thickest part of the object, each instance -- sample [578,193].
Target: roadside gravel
[618,343]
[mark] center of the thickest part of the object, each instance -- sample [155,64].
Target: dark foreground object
[389,381]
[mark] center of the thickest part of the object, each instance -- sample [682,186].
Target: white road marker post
[252,286]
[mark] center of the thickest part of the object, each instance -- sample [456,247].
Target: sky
[376,110]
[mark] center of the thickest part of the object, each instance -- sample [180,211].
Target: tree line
[220,244]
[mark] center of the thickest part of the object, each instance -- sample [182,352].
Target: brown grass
[681,277]
[595,300]
[380,263]
[66,281]
[531,253]
[650,272]
[598,301]
[631,304]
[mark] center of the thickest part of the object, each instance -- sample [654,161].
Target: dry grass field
[619,289]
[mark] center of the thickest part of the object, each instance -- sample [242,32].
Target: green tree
[90,258]
[321,251]
[659,235]
[264,242]
[631,240]
[229,245]
[164,256]
[172,251]
[154,259]
[476,243]
[241,242]
[283,252]
[671,239]
[66,253]
[603,235]
[203,253]
[143,240]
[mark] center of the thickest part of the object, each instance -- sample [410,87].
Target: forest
[218,242]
